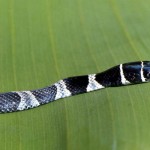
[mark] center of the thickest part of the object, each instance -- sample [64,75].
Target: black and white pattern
[123,74]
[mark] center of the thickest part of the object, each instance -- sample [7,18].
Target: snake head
[146,70]
[136,72]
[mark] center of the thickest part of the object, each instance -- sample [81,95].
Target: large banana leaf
[42,41]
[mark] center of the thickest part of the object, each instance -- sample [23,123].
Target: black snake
[123,74]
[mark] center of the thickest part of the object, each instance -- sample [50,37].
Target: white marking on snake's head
[142,73]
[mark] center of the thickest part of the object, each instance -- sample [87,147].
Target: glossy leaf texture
[43,41]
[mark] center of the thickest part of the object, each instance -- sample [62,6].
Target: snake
[120,75]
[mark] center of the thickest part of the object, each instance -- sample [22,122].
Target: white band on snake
[123,74]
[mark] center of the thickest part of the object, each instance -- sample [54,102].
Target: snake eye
[148,75]
[146,70]
[147,64]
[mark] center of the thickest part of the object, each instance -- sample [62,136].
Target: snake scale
[123,74]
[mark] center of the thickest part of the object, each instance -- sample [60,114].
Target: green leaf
[43,41]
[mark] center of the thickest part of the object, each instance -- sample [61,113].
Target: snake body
[123,74]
